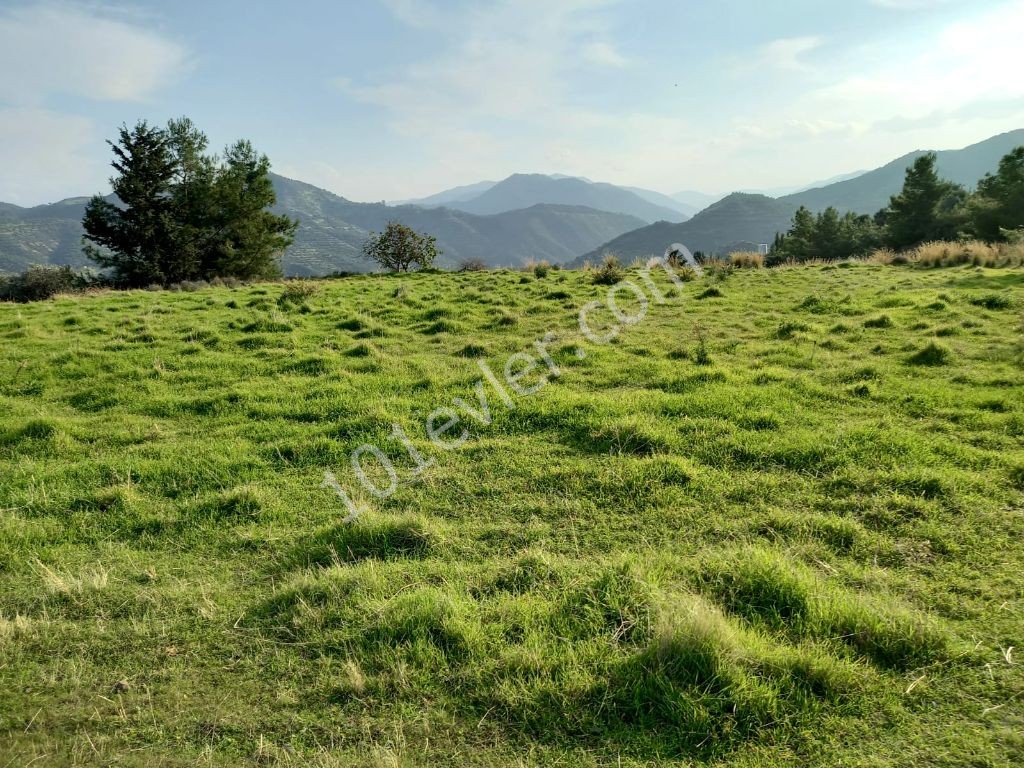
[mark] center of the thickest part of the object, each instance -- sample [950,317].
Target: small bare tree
[400,248]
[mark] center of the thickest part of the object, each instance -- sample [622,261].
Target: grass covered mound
[778,524]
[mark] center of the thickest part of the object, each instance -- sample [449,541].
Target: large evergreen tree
[927,208]
[135,238]
[825,239]
[998,206]
[247,237]
[182,214]
[192,201]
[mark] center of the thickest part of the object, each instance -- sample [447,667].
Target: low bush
[472,265]
[43,282]
[540,269]
[610,272]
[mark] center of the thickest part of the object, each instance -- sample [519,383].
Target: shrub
[472,265]
[610,272]
[746,260]
[540,269]
[43,282]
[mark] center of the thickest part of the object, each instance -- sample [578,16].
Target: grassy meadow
[778,521]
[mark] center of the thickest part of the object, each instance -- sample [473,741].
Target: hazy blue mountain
[332,230]
[664,200]
[695,199]
[740,221]
[523,190]
[870,192]
[453,195]
[744,219]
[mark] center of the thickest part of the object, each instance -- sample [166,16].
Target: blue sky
[391,99]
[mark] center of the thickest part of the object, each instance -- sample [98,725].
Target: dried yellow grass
[968,252]
[746,260]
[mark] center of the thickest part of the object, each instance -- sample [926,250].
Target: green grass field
[778,521]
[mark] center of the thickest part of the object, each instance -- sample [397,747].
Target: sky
[395,99]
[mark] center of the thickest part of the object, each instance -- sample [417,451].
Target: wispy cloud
[51,50]
[787,53]
[84,51]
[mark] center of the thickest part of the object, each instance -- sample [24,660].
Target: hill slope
[870,192]
[524,190]
[739,221]
[448,196]
[807,549]
[332,230]
[744,219]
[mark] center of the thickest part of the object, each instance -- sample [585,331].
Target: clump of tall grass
[946,254]
[296,292]
[884,256]
[746,260]
[610,271]
[941,253]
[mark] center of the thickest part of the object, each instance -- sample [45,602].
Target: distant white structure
[763,249]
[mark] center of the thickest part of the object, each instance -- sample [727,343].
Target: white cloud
[787,53]
[60,48]
[498,84]
[974,60]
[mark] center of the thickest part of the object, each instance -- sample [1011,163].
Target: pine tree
[825,240]
[134,238]
[998,205]
[801,236]
[249,238]
[184,214]
[192,201]
[927,208]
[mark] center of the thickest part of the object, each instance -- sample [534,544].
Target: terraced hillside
[777,520]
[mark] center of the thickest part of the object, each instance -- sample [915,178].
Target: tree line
[927,209]
[180,213]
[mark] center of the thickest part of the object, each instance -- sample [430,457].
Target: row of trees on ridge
[927,209]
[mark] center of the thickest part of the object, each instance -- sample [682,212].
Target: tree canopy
[182,214]
[928,208]
[399,248]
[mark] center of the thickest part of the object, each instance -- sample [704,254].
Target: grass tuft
[931,354]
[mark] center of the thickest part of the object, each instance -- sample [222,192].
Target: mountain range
[741,221]
[332,229]
[527,216]
[522,190]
